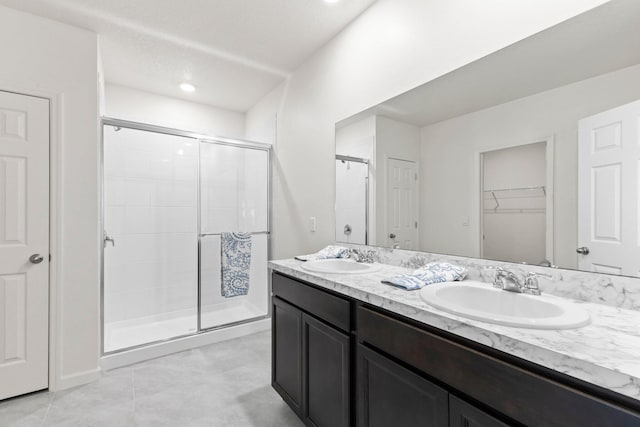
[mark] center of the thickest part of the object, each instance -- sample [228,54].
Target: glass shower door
[150,217]
[234,191]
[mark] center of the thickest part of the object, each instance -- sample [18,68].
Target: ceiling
[601,40]
[233,51]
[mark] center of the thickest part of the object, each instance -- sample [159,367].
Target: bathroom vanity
[351,351]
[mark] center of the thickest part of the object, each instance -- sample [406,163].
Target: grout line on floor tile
[133,388]
[46,414]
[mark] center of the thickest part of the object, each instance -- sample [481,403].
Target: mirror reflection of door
[608,230]
[402,204]
[514,204]
[352,177]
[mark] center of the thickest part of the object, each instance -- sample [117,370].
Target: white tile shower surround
[226,384]
[604,352]
[134,332]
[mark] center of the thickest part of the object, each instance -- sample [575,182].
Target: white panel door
[402,206]
[609,158]
[24,232]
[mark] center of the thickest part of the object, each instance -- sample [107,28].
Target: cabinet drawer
[330,308]
[524,396]
[462,414]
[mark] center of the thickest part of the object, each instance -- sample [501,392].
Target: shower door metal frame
[245,145]
[344,158]
[199,138]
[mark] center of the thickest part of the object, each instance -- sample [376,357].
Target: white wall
[392,47]
[261,119]
[51,59]
[144,107]
[449,153]
[358,139]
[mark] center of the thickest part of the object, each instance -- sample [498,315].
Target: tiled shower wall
[151,212]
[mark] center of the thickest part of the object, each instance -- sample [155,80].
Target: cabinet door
[286,370]
[391,395]
[462,414]
[326,374]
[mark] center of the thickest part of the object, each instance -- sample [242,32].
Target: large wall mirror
[531,154]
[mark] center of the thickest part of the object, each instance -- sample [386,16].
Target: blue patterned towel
[236,263]
[434,272]
[330,251]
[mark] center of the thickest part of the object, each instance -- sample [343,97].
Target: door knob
[392,236]
[36,259]
[108,239]
[583,250]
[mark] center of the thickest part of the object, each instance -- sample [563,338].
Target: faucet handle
[531,282]
[500,273]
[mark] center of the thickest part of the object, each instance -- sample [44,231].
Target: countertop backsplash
[615,291]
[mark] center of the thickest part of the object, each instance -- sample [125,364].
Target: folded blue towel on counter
[331,251]
[434,272]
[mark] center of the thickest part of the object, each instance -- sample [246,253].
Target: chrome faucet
[509,281]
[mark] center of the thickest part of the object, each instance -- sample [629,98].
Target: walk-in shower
[169,198]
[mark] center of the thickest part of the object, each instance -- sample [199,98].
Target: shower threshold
[140,331]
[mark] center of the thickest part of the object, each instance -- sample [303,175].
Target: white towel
[236,263]
[434,272]
[331,251]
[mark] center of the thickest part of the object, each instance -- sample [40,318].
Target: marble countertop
[605,353]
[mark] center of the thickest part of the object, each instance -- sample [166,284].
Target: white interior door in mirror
[351,201]
[609,155]
[402,206]
[24,244]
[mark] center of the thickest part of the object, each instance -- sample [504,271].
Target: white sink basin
[481,301]
[340,266]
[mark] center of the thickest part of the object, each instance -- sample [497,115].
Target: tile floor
[223,384]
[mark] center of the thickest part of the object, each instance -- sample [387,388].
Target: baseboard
[74,380]
[152,351]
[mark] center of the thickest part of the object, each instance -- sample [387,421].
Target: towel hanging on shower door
[236,263]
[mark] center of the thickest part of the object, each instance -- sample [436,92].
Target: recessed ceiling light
[187,87]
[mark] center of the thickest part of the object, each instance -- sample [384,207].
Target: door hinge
[415,176]
[416,224]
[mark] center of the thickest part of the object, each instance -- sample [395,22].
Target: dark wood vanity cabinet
[462,414]
[311,366]
[391,395]
[516,391]
[326,374]
[286,369]
[339,362]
